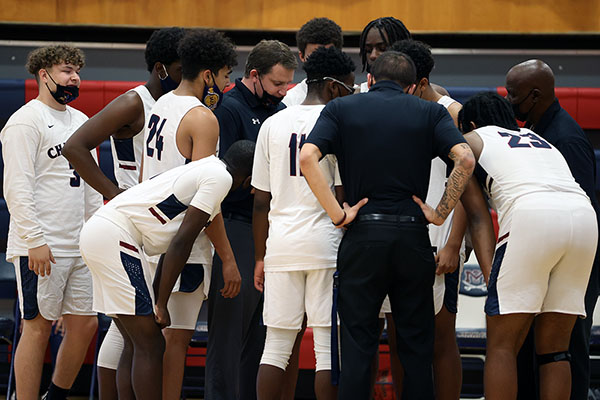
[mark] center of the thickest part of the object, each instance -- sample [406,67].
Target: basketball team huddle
[332,205]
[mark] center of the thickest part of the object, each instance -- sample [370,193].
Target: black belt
[236,217]
[402,219]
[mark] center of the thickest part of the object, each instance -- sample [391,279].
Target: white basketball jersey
[46,198]
[301,235]
[296,95]
[127,153]
[161,153]
[439,235]
[153,210]
[521,163]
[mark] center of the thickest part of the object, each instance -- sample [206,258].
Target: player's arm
[260,230]
[19,149]
[175,259]
[480,226]
[122,112]
[231,274]
[464,164]
[309,165]
[198,133]
[448,257]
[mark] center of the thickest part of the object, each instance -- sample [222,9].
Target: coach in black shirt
[384,141]
[236,335]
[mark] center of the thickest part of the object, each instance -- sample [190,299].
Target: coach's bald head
[530,87]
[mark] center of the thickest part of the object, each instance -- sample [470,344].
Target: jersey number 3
[294,150]
[155,130]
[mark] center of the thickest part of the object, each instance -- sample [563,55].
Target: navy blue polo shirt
[240,117]
[561,130]
[384,141]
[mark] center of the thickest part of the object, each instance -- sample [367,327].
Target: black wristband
[342,220]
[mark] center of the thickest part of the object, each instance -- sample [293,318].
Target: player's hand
[447,259]
[430,214]
[232,279]
[352,211]
[259,275]
[40,259]
[59,326]
[161,316]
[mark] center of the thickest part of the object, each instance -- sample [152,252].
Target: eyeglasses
[349,88]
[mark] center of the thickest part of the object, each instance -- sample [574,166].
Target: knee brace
[322,339]
[278,346]
[553,357]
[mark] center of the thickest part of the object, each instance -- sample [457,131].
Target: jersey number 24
[155,130]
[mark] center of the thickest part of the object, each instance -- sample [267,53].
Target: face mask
[521,116]
[212,96]
[63,94]
[167,83]
[267,99]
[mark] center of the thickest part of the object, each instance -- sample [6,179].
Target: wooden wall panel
[516,16]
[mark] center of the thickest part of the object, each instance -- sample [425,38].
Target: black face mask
[167,83]
[521,116]
[63,94]
[267,99]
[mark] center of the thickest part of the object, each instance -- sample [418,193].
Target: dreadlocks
[394,30]
[487,108]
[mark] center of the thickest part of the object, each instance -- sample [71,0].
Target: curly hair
[162,47]
[268,53]
[419,52]
[46,57]
[202,49]
[487,108]
[394,30]
[330,62]
[319,31]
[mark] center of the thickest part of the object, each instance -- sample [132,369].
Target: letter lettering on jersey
[55,151]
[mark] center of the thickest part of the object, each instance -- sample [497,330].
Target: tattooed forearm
[464,163]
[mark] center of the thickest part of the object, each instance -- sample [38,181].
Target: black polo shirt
[561,130]
[240,117]
[384,141]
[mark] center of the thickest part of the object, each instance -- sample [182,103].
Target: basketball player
[299,278]
[123,121]
[547,242]
[315,33]
[48,203]
[182,127]
[164,215]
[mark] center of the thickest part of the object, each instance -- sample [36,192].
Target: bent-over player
[162,215]
[547,242]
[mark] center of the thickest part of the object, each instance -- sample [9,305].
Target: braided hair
[487,108]
[394,30]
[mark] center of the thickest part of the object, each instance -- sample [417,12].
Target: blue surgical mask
[167,83]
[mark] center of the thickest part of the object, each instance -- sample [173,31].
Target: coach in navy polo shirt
[530,87]
[384,141]
[235,336]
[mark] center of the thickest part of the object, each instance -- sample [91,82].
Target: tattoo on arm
[459,177]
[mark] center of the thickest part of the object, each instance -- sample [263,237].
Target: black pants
[236,336]
[374,259]
[579,348]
